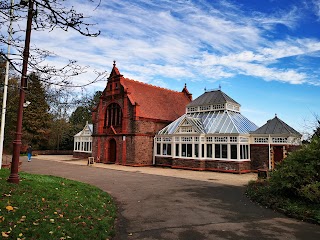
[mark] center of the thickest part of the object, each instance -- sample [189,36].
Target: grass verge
[47,207]
[260,191]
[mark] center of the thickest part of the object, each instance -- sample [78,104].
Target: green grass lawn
[47,207]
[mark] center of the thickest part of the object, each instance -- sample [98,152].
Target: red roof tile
[155,102]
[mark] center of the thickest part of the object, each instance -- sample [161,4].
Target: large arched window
[113,115]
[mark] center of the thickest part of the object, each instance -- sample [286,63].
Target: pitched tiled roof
[211,98]
[276,126]
[155,102]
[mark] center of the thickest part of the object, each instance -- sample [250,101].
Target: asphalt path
[157,206]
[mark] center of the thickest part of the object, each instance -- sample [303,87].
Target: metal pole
[5,88]
[269,153]
[14,176]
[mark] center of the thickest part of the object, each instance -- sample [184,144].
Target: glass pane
[169,149]
[158,148]
[209,150]
[184,150]
[224,150]
[196,150]
[177,150]
[164,149]
[202,148]
[217,148]
[233,151]
[189,150]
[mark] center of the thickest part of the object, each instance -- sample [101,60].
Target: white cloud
[184,40]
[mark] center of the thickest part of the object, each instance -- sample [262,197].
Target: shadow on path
[163,207]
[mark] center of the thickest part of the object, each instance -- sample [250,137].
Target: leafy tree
[299,174]
[59,134]
[82,114]
[36,124]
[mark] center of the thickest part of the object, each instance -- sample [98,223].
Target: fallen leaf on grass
[52,220]
[9,208]
[23,218]
[5,234]
[7,195]
[1,219]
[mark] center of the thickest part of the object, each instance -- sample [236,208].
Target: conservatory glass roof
[213,122]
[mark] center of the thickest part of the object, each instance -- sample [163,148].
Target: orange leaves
[1,219]
[9,208]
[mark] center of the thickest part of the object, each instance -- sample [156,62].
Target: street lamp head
[26,104]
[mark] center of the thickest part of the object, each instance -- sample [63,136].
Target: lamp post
[14,176]
[5,88]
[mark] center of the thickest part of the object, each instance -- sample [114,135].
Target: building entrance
[112,151]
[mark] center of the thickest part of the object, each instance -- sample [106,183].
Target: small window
[244,151]
[209,150]
[184,150]
[189,150]
[177,150]
[234,152]
[202,148]
[166,149]
[221,150]
[196,150]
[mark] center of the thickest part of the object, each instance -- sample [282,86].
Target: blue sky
[265,54]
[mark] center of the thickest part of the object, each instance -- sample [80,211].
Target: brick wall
[259,155]
[148,126]
[209,165]
[140,150]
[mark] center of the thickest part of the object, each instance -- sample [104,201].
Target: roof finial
[205,89]
[275,115]
[114,63]
[219,86]
[185,85]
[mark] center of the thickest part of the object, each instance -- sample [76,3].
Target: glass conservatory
[83,141]
[213,129]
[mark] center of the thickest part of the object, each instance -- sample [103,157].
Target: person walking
[29,151]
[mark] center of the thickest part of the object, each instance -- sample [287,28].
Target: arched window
[113,115]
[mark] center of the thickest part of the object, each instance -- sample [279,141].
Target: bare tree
[48,15]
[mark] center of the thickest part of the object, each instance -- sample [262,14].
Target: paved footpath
[158,203]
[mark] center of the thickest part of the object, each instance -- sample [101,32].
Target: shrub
[299,174]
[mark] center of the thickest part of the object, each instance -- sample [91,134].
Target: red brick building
[128,116]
